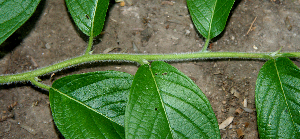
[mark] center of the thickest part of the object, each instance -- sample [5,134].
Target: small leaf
[14,14]
[209,16]
[277,99]
[165,103]
[88,15]
[91,105]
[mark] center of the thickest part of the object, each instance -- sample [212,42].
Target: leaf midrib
[161,101]
[56,90]
[93,19]
[285,99]
[211,19]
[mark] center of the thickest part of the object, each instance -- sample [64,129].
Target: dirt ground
[153,26]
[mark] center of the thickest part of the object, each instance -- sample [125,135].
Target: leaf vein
[187,118]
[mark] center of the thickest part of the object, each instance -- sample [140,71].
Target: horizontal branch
[139,58]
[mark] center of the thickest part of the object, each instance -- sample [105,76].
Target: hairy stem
[90,45]
[41,85]
[205,45]
[29,76]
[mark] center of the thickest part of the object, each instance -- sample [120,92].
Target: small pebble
[191,26]
[232,37]
[48,46]
[187,32]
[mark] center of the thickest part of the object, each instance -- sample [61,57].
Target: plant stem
[28,76]
[35,82]
[88,49]
[205,45]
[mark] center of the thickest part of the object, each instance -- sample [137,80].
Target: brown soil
[50,36]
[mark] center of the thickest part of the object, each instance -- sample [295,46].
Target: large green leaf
[88,15]
[165,103]
[91,105]
[13,14]
[209,16]
[277,99]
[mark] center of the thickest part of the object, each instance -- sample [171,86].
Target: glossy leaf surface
[88,15]
[91,105]
[277,99]
[209,16]
[13,14]
[165,103]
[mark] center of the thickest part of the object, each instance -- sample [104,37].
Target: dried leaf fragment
[288,24]
[107,50]
[122,3]
[238,111]
[135,49]
[226,122]
[29,129]
[245,103]
[246,124]
[167,3]
[11,106]
[240,133]
[235,92]
[247,109]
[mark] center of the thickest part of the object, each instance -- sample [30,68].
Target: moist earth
[146,27]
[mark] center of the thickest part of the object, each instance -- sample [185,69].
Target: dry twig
[251,26]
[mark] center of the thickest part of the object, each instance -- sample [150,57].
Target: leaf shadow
[20,34]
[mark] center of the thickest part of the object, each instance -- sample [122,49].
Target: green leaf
[88,15]
[14,14]
[277,99]
[209,16]
[165,103]
[91,105]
